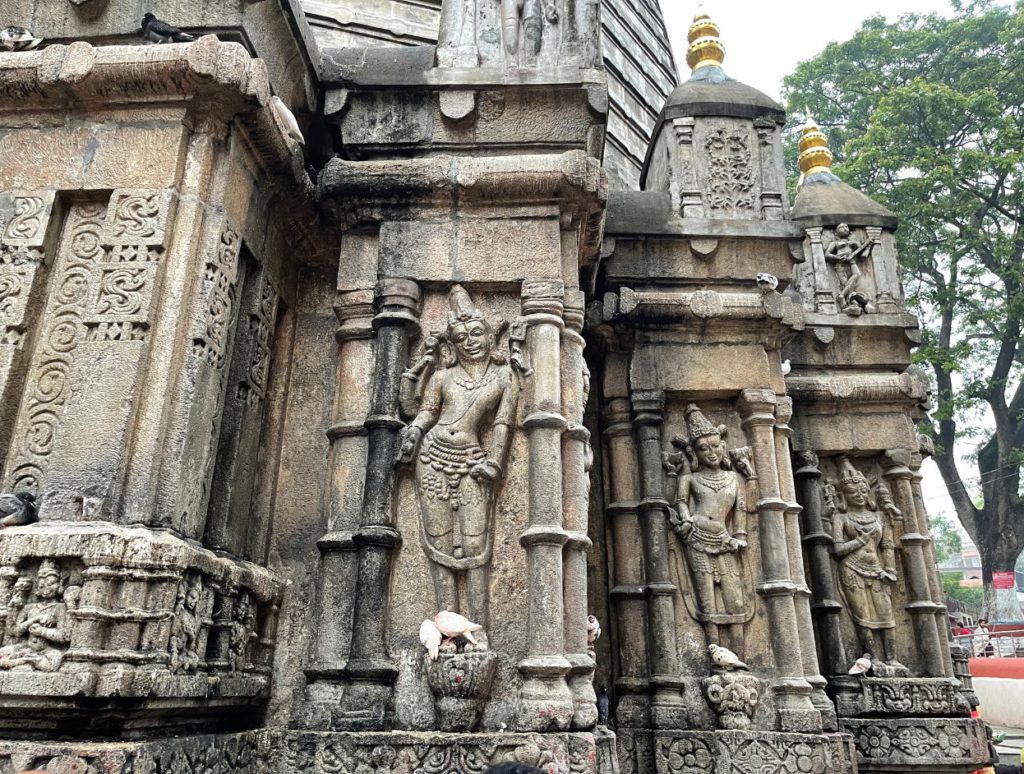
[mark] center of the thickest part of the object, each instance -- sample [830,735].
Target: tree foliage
[971,597]
[946,537]
[927,115]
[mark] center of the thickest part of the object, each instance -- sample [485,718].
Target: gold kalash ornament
[815,155]
[705,48]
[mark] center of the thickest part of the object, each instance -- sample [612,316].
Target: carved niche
[713,493]
[847,258]
[38,627]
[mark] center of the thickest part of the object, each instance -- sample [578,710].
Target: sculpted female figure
[864,549]
[711,520]
[458,444]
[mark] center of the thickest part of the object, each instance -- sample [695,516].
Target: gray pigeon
[159,31]
[18,39]
[17,509]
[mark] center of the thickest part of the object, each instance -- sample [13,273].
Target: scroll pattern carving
[30,216]
[101,291]
[730,173]
[219,283]
[253,389]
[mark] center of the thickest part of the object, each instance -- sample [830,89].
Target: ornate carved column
[802,598]
[667,707]
[330,645]
[796,712]
[370,670]
[545,702]
[913,541]
[817,540]
[627,581]
[824,297]
[576,458]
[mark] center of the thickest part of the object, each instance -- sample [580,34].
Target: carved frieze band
[219,291]
[21,254]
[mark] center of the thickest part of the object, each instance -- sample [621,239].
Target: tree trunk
[1000,604]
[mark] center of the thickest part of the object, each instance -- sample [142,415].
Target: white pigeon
[593,629]
[430,636]
[725,658]
[18,39]
[767,282]
[787,367]
[288,119]
[861,666]
[453,625]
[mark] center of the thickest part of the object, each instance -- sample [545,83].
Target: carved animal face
[472,340]
[710,451]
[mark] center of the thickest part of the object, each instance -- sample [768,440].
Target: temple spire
[815,156]
[705,47]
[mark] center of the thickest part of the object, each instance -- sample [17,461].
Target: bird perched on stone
[17,509]
[725,658]
[786,367]
[18,39]
[593,629]
[767,282]
[288,119]
[453,625]
[861,666]
[430,636]
[159,31]
[603,706]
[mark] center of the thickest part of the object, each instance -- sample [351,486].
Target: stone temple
[415,386]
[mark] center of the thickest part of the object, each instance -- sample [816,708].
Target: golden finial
[705,47]
[814,153]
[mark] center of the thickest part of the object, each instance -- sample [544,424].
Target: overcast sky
[764,42]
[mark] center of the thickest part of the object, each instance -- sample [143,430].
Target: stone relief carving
[190,610]
[730,190]
[857,292]
[863,550]
[522,24]
[734,697]
[221,273]
[712,503]
[243,631]
[457,444]
[38,627]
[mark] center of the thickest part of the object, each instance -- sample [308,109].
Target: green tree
[946,536]
[971,597]
[927,116]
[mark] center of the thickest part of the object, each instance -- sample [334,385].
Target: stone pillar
[817,539]
[824,296]
[802,598]
[339,566]
[938,595]
[627,581]
[913,542]
[545,702]
[576,457]
[667,707]
[370,669]
[796,712]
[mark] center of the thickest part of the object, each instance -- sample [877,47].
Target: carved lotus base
[932,745]
[461,684]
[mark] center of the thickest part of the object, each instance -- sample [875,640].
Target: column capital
[543,297]
[758,406]
[398,302]
[649,406]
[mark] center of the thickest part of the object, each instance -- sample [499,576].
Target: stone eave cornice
[573,181]
[857,388]
[703,305]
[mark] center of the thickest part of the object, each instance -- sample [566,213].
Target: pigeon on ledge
[159,31]
[18,39]
[725,658]
[17,509]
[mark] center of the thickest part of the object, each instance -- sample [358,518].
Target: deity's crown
[462,308]
[848,473]
[48,567]
[697,425]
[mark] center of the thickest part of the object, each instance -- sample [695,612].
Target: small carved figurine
[40,628]
[856,294]
[184,641]
[710,517]
[458,470]
[863,547]
[529,17]
[243,626]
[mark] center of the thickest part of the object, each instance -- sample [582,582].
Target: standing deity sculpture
[184,641]
[522,24]
[40,629]
[458,444]
[710,515]
[856,292]
[863,548]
